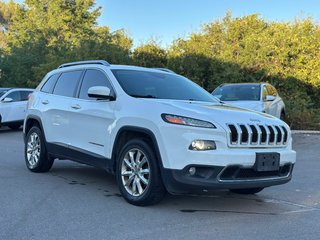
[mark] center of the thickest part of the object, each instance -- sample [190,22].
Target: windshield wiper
[143,96]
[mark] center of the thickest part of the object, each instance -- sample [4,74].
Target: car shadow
[223,201]
[8,130]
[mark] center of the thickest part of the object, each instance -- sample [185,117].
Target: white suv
[13,106]
[261,97]
[155,130]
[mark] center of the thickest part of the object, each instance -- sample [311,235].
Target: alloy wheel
[135,172]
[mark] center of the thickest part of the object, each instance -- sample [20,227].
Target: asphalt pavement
[75,201]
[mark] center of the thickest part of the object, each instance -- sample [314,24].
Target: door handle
[76,106]
[45,102]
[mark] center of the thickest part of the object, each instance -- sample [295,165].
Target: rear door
[91,119]
[56,99]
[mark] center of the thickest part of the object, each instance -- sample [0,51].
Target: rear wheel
[138,174]
[246,190]
[36,156]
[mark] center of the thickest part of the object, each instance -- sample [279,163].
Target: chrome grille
[257,135]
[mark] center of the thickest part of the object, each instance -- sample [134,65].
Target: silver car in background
[261,97]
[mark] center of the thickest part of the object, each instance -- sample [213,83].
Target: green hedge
[245,49]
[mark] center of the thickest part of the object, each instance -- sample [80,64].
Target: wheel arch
[32,120]
[127,133]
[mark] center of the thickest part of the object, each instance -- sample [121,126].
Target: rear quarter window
[50,83]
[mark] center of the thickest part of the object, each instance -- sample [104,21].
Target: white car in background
[260,97]
[13,105]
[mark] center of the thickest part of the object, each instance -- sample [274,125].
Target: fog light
[192,171]
[202,145]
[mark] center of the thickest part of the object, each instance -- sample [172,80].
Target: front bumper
[220,177]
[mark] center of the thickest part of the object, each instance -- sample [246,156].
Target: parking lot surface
[75,201]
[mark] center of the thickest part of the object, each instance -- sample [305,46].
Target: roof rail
[101,62]
[165,70]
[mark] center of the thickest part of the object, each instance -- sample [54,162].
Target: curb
[305,132]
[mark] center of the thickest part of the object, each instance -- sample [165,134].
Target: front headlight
[180,120]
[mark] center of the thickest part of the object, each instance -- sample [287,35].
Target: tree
[150,54]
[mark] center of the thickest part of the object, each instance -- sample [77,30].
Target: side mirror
[100,92]
[270,98]
[7,100]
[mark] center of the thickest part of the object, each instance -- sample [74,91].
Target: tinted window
[93,78]
[25,95]
[15,96]
[160,85]
[49,85]
[238,92]
[67,83]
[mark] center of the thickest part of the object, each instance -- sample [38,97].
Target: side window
[15,96]
[264,93]
[93,78]
[272,91]
[67,84]
[25,95]
[49,84]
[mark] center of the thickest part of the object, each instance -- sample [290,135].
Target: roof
[104,63]
[7,89]
[228,84]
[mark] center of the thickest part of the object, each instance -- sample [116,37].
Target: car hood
[253,105]
[219,113]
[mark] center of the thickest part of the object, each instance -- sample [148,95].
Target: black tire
[44,162]
[14,126]
[246,191]
[154,191]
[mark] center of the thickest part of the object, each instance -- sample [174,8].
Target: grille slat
[271,136]
[263,134]
[285,137]
[244,134]
[279,135]
[254,139]
[257,135]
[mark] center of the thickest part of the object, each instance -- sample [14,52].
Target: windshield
[146,84]
[238,92]
[2,92]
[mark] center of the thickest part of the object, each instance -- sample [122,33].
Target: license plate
[266,162]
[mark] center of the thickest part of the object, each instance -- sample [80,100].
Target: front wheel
[36,156]
[138,174]
[246,190]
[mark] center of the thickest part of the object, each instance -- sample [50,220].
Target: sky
[166,20]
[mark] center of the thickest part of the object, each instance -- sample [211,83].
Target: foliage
[150,54]
[249,49]
[39,35]
[43,34]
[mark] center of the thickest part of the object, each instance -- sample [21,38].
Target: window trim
[264,86]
